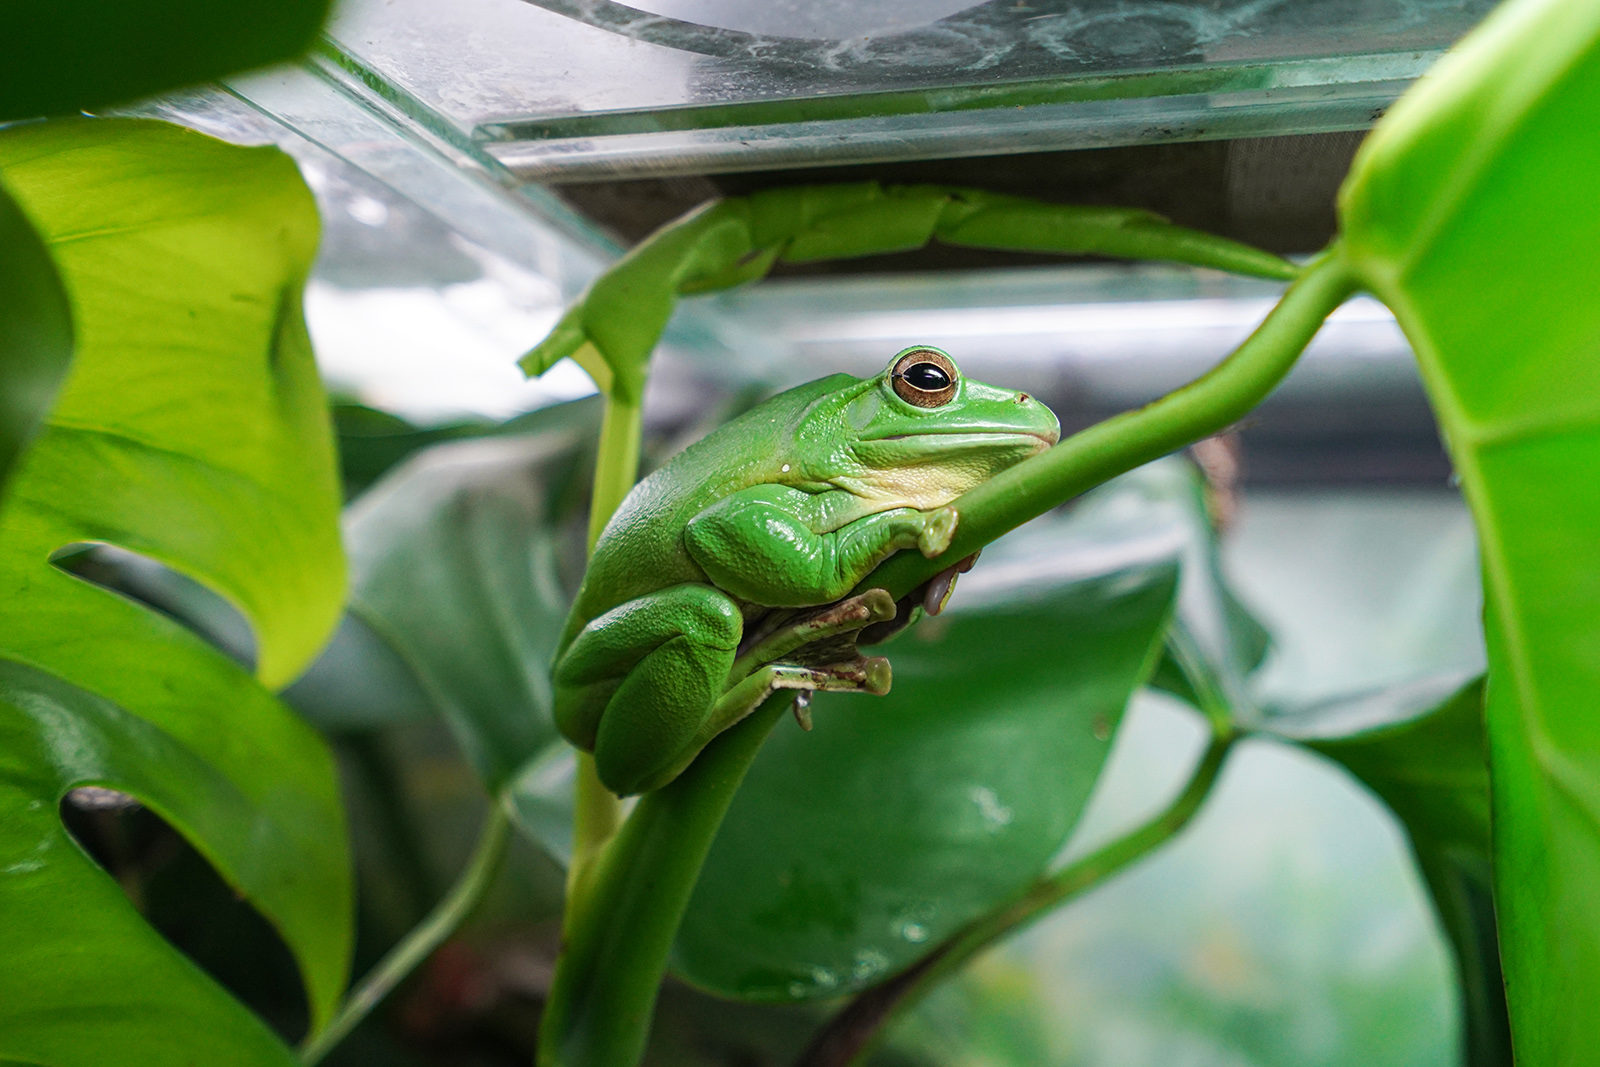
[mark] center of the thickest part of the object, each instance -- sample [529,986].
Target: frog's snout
[1048,428]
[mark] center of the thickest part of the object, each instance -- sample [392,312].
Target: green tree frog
[692,610]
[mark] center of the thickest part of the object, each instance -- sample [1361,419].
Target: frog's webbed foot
[859,674]
[820,635]
[811,650]
[818,648]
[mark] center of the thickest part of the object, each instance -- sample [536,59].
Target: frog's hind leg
[637,684]
[823,639]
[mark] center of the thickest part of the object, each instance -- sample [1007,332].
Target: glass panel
[582,89]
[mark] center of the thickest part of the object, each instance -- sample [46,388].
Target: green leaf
[192,430]
[35,333]
[1471,212]
[1423,753]
[57,58]
[457,566]
[541,799]
[855,849]
[1214,641]
[86,981]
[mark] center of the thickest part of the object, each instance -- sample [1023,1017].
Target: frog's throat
[925,489]
[941,479]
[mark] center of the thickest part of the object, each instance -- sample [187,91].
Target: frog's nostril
[1022,398]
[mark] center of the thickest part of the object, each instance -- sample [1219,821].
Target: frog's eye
[925,377]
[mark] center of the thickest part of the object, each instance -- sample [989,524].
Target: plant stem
[849,1036]
[618,937]
[1205,406]
[596,811]
[421,941]
[617,465]
[1183,647]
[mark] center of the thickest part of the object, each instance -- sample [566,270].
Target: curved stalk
[419,944]
[849,1036]
[1205,406]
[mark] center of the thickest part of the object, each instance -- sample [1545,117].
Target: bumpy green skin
[789,505]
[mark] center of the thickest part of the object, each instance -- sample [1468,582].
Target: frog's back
[641,549]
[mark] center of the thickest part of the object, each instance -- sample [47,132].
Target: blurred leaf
[1214,642]
[35,334]
[853,850]
[541,798]
[360,682]
[120,994]
[1424,754]
[457,568]
[372,442]
[1471,212]
[58,58]
[193,431]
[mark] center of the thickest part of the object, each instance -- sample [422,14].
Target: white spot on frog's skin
[915,933]
[994,813]
[822,978]
[785,468]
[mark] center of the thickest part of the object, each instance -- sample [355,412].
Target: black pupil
[929,377]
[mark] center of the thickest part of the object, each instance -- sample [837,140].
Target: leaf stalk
[850,1036]
[420,943]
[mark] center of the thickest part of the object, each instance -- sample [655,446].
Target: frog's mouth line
[975,436]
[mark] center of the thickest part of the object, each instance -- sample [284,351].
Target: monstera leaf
[35,333]
[192,430]
[1471,212]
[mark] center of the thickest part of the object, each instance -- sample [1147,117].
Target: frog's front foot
[937,531]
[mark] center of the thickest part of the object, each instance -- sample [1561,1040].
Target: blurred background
[479,162]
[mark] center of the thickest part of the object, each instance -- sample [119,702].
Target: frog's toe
[877,605]
[876,675]
[937,531]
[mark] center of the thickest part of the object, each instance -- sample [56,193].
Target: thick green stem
[1205,406]
[419,944]
[851,1035]
[619,935]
